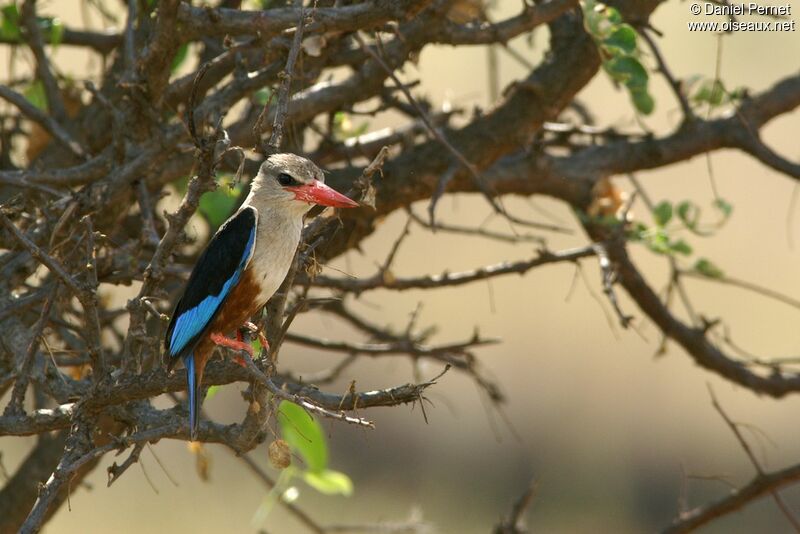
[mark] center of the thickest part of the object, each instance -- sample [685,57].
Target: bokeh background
[608,429]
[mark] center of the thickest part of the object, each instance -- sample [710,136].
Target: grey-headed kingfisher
[243,265]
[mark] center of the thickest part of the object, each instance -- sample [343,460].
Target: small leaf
[212,391]
[35,95]
[217,205]
[304,435]
[638,231]
[708,269]
[261,97]
[738,93]
[688,213]
[662,213]
[681,247]
[180,57]
[724,207]
[613,15]
[628,70]
[181,185]
[623,39]
[658,242]
[330,482]
[643,102]
[9,27]
[711,92]
[53,29]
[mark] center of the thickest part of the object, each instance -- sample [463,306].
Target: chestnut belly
[240,305]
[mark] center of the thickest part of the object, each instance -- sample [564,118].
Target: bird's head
[295,182]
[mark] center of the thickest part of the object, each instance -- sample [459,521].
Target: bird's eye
[285,179]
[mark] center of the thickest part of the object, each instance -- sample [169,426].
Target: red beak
[318,193]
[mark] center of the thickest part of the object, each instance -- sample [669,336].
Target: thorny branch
[763,484]
[69,230]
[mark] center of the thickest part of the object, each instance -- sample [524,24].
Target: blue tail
[194,398]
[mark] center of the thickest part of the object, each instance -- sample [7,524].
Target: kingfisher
[243,265]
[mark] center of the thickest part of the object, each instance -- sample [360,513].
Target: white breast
[277,237]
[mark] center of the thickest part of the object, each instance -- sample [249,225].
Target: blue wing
[214,276]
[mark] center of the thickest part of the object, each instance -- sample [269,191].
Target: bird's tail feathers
[193,389]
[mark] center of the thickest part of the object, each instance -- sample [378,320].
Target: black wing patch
[214,276]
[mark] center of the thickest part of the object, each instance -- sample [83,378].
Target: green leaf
[658,242]
[329,482]
[35,95]
[628,70]
[681,247]
[738,93]
[613,15]
[643,102]
[618,44]
[180,57]
[724,207]
[622,39]
[9,26]
[592,16]
[711,92]
[662,213]
[52,28]
[688,213]
[212,391]
[304,435]
[708,269]
[638,232]
[217,205]
[261,97]
[343,127]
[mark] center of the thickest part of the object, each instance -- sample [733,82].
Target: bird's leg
[235,344]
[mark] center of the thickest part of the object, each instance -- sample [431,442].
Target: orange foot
[222,341]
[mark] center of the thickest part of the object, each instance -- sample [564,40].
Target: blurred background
[610,431]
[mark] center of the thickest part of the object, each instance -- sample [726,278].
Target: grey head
[293,183]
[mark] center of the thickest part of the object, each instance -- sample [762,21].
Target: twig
[437,134]
[43,258]
[609,277]
[753,460]
[674,84]
[282,105]
[280,393]
[42,119]
[70,463]
[276,306]
[744,284]
[129,54]
[760,486]
[149,233]
[480,232]
[396,347]
[512,523]
[377,281]
[115,471]
[262,475]
[15,406]
[55,101]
